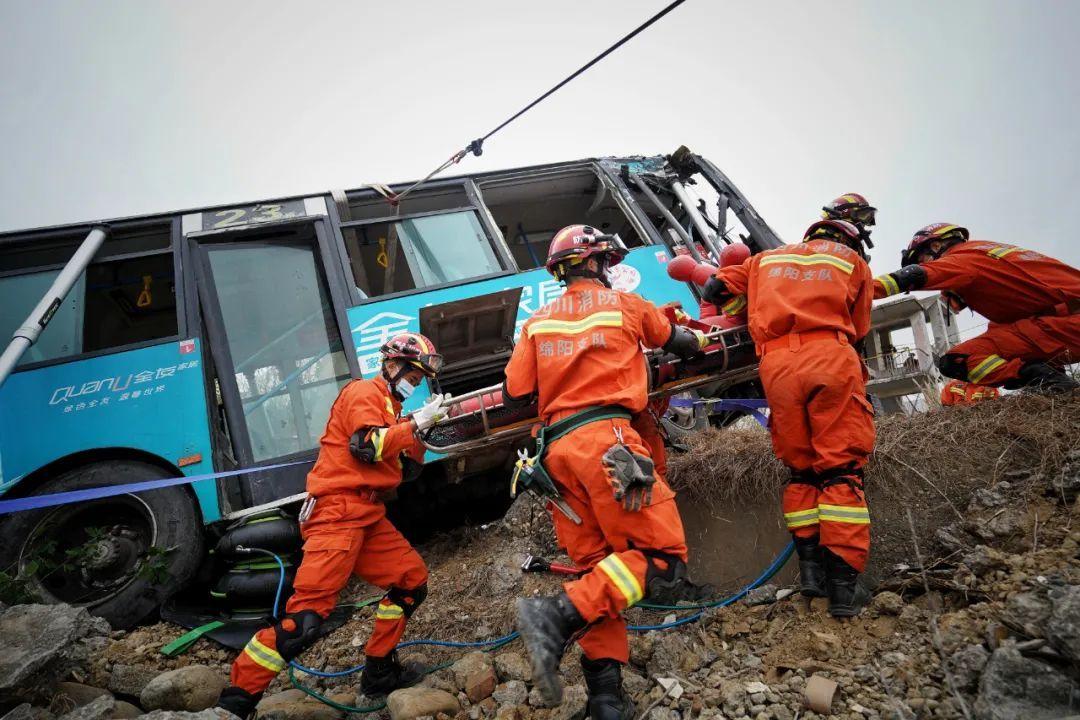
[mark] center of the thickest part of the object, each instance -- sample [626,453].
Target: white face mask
[404,388]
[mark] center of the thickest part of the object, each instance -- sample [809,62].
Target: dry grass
[930,462]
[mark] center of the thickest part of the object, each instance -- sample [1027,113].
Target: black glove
[715,291]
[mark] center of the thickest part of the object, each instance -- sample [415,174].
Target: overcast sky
[963,112]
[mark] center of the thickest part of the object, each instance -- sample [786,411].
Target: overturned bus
[204,342]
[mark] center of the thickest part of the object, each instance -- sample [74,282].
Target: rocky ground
[981,619]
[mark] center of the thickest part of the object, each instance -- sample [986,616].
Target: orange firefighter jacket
[958,392]
[367,406]
[584,349]
[816,285]
[1003,283]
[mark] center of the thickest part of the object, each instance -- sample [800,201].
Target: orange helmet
[853,207]
[413,349]
[841,231]
[574,244]
[951,234]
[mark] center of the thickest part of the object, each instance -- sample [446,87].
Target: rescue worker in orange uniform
[958,392]
[809,304]
[1032,302]
[346,531]
[580,357]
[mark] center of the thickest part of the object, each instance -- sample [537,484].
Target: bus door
[272,301]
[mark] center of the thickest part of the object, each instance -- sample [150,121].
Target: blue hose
[774,567]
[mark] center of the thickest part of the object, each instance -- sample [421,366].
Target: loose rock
[44,643]
[415,702]
[130,679]
[294,705]
[513,692]
[1014,686]
[100,708]
[191,688]
[512,666]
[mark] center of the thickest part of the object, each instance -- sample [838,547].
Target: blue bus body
[153,399]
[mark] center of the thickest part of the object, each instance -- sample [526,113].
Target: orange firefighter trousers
[997,355]
[821,420]
[610,540]
[346,535]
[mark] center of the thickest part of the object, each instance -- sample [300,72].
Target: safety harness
[529,470]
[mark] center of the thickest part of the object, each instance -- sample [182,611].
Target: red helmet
[574,244]
[413,349]
[938,231]
[841,231]
[852,207]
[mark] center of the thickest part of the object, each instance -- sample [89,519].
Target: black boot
[847,595]
[607,699]
[811,567]
[383,675]
[238,701]
[546,625]
[1042,377]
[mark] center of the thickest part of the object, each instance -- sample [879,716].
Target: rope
[496,643]
[476,147]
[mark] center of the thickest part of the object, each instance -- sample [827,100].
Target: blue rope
[777,563]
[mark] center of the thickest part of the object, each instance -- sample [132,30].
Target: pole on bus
[28,332]
[699,222]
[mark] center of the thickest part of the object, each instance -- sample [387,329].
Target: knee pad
[296,632]
[664,573]
[407,600]
[954,366]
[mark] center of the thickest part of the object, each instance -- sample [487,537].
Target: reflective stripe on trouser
[604,539]
[845,524]
[388,629]
[340,527]
[800,503]
[997,355]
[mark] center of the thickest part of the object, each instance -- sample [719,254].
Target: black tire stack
[247,582]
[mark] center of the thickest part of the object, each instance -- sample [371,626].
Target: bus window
[116,302]
[62,337]
[430,250]
[129,301]
[287,353]
[530,208]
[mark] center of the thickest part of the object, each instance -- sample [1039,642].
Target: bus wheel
[119,557]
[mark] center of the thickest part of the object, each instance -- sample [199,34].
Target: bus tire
[131,552]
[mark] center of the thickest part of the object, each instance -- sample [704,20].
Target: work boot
[238,701]
[847,595]
[546,625]
[383,675]
[1042,377]
[811,567]
[607,699]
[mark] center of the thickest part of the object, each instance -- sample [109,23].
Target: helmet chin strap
[393,381]
[599,274]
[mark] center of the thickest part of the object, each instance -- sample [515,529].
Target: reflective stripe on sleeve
[889,282]
[734,306]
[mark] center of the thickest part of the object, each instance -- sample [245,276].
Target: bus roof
[21,234]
